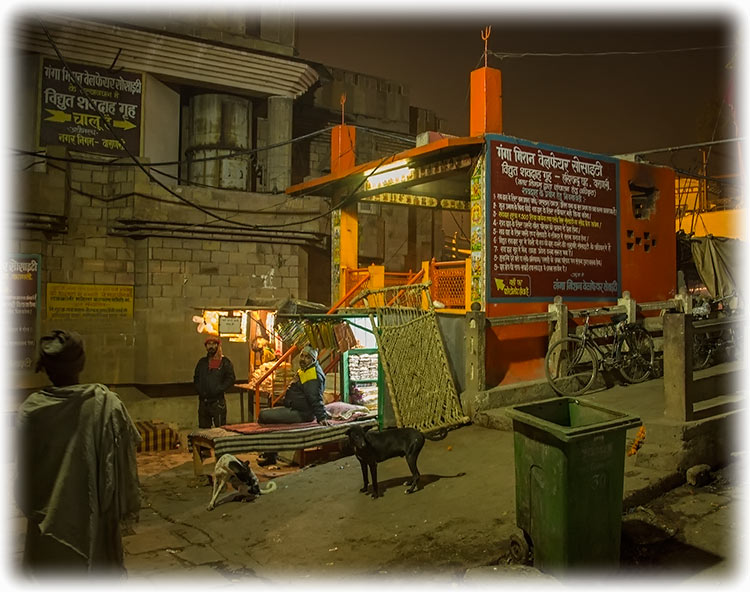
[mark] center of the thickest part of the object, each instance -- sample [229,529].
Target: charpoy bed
[254,437]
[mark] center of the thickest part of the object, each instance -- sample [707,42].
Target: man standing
[303,400]
[213,376]
[77,468]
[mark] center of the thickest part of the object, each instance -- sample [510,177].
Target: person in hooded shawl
[77,472]
[303,400]
[213,376]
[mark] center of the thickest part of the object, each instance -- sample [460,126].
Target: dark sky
[609,104]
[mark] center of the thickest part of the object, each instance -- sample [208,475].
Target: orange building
[545,221]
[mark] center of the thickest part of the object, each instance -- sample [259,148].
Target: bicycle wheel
[702,351]
[735,344]
[571,366]
[636,355]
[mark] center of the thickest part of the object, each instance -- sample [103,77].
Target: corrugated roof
[176,58]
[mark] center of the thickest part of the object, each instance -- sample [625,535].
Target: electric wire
[111,130]
[231,154]
[528,54]
[169,190]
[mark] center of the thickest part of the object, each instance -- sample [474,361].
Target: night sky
[610,104]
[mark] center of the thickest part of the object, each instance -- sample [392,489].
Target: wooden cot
[254,437]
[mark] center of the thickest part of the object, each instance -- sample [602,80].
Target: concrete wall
[515,353]
[647,240]
[172,277]
[161,125]
[268,30]
[452,329]
[384,101]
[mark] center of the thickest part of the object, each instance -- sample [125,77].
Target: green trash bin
[569,461]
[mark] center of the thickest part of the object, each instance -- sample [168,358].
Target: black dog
[374,447]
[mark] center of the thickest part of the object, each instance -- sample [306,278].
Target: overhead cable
[528,54]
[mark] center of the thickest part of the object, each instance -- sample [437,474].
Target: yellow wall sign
[76,301]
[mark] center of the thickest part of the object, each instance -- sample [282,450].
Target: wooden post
[474,371]
[377,282]
[629,304]
[560,329]
[678,366]
[467,284]
[685,300]
[426,278]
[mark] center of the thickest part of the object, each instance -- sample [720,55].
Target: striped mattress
[272,438]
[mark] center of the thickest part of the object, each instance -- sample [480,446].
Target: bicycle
[710,347]
[573,362]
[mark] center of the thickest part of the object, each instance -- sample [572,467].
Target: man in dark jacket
[303,400]
[214,374]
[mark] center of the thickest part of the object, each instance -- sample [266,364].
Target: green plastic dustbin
[569,461]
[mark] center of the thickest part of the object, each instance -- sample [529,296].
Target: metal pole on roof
[485,36]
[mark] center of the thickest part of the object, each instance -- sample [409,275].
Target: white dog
[229,469]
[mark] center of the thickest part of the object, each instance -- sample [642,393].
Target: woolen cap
[310,351]
[61,350]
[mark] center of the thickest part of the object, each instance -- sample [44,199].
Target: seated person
[303,400]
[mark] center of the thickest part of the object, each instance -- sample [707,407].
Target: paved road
[691,533]
[318,526]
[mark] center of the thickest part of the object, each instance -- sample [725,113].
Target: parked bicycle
[573,362]
[712,346]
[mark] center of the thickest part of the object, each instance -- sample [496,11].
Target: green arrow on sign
[57,116]
[126,125]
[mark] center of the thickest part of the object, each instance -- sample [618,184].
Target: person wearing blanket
[303,400]
[77,471]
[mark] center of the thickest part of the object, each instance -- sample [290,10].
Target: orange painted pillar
[486,114]
[343,139]
[344,225]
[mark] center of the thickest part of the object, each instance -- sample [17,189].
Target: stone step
[495,419]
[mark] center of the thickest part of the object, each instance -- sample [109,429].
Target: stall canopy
[717,262]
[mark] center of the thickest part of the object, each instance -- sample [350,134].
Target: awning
[177,59]
[433,175]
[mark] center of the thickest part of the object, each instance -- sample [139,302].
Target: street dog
[229,469]
[372,447]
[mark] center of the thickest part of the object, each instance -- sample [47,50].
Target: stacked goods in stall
[363,367]
[365,395]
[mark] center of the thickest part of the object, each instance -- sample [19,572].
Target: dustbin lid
[568,418]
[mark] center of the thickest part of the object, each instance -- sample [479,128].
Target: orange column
[486,115]
[342,148]
[345,235]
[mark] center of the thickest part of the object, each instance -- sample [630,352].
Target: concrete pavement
[460,522]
